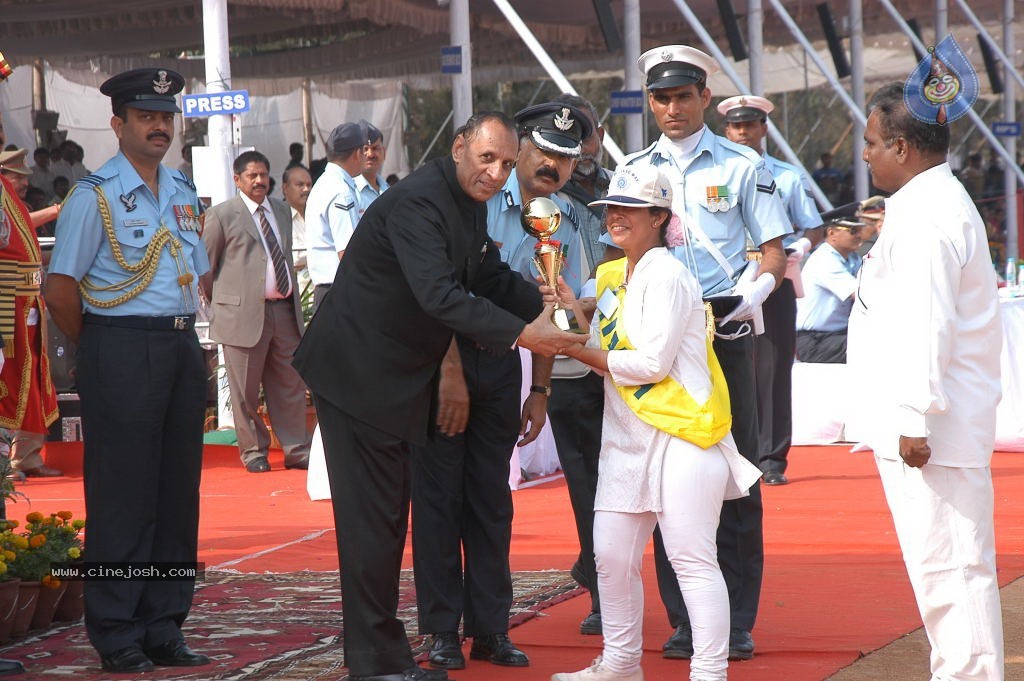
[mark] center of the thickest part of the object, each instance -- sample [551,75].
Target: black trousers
[143,397]
[826,347]
[369,474]
[576,410]
[774,351]
[462,504]
[740,537]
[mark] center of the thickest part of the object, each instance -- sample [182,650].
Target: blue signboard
[213,103]
[1006,129]
[451,59]
[627,102]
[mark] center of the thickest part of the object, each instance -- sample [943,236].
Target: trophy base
[561,319]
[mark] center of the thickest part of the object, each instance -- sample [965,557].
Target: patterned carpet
[270,626]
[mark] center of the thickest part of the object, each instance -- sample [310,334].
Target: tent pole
[860,170]
[728,70]
[631,49]
[993,141]
[1010,114]
[307,119]
[755,41]
[941,19]
[526,35]
[462,83]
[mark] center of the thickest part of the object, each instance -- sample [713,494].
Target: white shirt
[925,334]
[333,212]
[270,290]
[298,235]
[664,319]
[829,282]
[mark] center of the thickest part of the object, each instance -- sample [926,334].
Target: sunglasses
[852,230]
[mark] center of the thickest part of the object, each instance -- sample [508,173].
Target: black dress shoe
[679,645]
[176,654]
[127,661]
[446,651]
[775,478]
[410,674]
[258,465]
[302,464]
[498,649]
[591,624]
[741,645]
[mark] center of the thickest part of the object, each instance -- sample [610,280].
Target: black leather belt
[280,300]
[185,322]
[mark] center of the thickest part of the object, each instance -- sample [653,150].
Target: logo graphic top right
[944,86]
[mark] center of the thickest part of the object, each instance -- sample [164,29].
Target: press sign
[212,103]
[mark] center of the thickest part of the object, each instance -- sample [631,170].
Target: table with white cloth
[822,397]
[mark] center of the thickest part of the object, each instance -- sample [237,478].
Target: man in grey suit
[257,318]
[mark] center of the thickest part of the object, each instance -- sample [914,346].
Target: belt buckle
[181,323]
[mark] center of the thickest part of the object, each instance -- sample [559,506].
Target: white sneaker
[598,672]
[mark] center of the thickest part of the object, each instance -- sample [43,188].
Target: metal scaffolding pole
[773,132]
[1008,160]
[857,113]
[941,19]
[462,83]
[541,55]
[631,48]
[860,170]
[755,41]
[1010,70]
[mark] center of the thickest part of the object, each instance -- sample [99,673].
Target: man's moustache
[549,172]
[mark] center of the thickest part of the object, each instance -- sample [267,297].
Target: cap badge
[743,101]
[161,85]
[666,55]
[621,183]
[562,121]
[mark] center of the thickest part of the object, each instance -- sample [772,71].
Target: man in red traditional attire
[28,402]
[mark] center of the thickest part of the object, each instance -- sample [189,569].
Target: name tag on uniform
[136,222]
[608,303]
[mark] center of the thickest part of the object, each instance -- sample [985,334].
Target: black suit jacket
[419,267]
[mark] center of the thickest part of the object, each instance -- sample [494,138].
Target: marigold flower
[9,555]
[3,568]
[19,542]
[34,517]
[64,515]
[78,524]
[47,521]
[37,540]
[51,582]
[74,552]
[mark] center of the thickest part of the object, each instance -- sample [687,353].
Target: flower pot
[71,606]
[28,595]
[8,606]
[46,606]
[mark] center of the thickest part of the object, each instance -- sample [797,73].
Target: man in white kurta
[925,338]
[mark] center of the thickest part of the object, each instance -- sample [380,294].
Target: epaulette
[92,180]
[182,177]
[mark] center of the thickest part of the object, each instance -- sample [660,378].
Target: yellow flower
[64,515]
[19,542]
[78,524]
[3,568]
[74,553]
[37,540]
[9,555]
[34,517]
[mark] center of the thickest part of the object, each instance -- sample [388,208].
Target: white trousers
[943,519]
[692,491]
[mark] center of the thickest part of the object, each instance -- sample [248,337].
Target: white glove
[754,294]
[801,246]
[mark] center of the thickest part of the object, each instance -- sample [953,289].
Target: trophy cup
[540,219]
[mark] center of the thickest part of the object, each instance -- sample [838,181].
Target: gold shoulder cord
[143,271]
[709,321]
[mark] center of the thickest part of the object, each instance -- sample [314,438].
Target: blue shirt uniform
[728,193]
[83,248]
[516,246]
[333,209]
[795,191]
[591,220]
[829,283]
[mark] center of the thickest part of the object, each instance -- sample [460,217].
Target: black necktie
[280,266]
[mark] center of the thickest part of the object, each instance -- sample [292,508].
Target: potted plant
[8,592]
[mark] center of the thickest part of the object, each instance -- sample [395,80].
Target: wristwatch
[543,389]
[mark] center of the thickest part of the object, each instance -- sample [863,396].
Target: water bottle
[1011,273]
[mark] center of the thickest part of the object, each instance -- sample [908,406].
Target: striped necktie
[280,266]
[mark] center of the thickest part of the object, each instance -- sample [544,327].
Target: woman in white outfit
[654,328]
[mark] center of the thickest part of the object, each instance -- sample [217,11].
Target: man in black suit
[419,268]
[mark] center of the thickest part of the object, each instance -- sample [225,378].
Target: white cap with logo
[637,186]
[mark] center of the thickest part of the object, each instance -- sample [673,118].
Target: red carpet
[834,586]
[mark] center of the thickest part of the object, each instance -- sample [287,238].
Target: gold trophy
[540,219]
